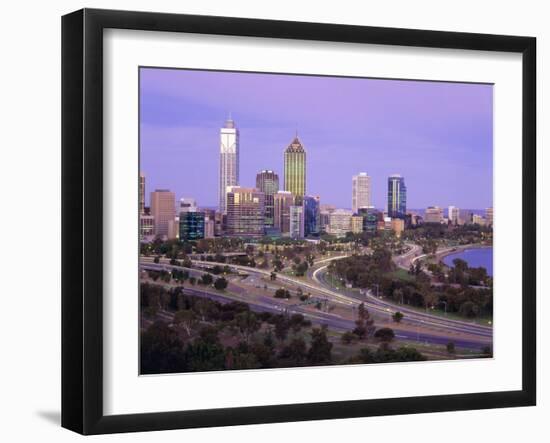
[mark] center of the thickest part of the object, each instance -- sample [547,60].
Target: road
[415,327]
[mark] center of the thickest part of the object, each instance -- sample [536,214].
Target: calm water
[474,257]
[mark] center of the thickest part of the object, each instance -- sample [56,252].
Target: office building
[187,204]
[478,220]
[191,225]
[360,191]
[489,216]
[357,224]
[245,212]
[398,226]
[433,214]
[141,193]
[268,182]
[340,222]
[370,218]
[295,169]
[146,228]
[163,210]
[296,221]
[312,216]
[454,215]
[229,161]
[397,197]
[282,201]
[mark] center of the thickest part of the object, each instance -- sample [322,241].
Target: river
[475,258]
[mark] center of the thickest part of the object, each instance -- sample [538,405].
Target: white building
[340,222]
[360,191]
[296,221]
[163,210]
[229,161]
[187,204]
[454,215]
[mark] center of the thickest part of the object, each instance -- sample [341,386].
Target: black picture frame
[82,215]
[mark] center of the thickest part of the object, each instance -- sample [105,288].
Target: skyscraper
[268,183]
[454,215]
[163,210]
[360,191]
[245,212]
[295,169]
[397,197]
[141,194]
[296,225]
[312,216]
[229,161]
[283,200]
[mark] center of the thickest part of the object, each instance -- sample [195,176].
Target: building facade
[146,228]
[398,226]
[141,193]
[371,217]
[163,210]
[489,216]
[295,169]
[312,216]
[340,222]
[245,212]
[433,214]
[296,221]
[191,225]
[268,182]
[360,191]
[357,224]
[229,161]
[454,215]
[397,197]
[283,200]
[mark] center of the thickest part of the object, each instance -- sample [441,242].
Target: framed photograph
[269,221]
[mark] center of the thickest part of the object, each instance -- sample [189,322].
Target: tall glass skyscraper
[295,169]
[229,161]
[245,212]
[268,183]
[397,197]
[312,216]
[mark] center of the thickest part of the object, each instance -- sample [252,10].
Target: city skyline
[168,147]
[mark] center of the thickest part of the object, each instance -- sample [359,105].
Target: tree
[206,279]
[451,347]
[186,319]
[192,280]
[156,259]
[282,293]
[385,334]
[397,317]
[220,284]
[469,309]
[349,337]
[320,349]
[295,351]
[246,323]
[273,276]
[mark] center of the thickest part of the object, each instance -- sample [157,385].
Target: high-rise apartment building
[268,183]
[360,191]
[357,224]
[229,161]
[163,210]
[295,169]
[397,197]
[245,212]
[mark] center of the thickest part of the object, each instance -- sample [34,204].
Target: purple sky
[437,135]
